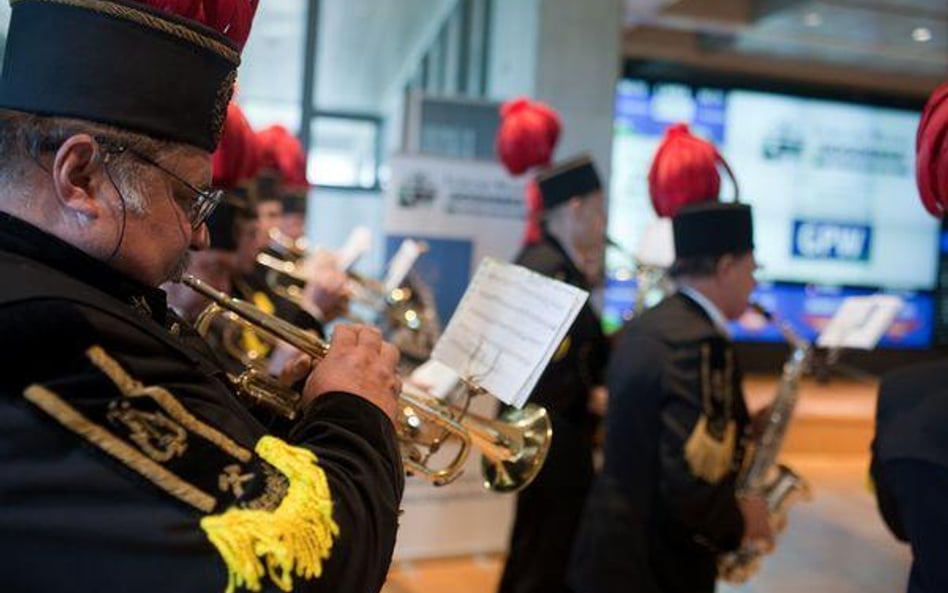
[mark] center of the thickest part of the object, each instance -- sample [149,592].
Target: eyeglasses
[205,200]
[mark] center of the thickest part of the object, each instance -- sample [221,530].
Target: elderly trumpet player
[129,464]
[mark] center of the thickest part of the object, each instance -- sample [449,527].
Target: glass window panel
[368,49]
[344,152]
[271,72]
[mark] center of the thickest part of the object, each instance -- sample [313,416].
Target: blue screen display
[806,308]
[832,188]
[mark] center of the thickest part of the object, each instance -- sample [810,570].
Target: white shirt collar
[717,318]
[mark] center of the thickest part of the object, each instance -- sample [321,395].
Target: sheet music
[507,327]
[436,378]
[860,322]
[401,263]
[357,244]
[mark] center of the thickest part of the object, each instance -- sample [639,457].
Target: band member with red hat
[548,509]
[665,504]
[910,450]
[129,463]
[283,176]
[285,163]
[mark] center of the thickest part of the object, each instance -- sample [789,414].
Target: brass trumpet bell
[532,431]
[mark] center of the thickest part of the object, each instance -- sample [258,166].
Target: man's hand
[326,295]
[361,363]
[757,531]
[291,365]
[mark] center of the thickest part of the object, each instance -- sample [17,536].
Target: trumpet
[285,278]
[652,281]
[283,243]
[513,450]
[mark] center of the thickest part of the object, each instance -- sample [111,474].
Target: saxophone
[761,475]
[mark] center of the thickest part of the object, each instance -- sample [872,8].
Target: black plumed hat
[122,63]
[576,177]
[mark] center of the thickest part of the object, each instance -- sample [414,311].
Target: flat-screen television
[832,186]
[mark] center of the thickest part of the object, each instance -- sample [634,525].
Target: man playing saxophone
[665,505]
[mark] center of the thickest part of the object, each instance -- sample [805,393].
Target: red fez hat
[237,158]
[684,171]
[931,145]
[282,158]
[282,153]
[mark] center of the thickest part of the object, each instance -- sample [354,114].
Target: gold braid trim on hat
[152,21]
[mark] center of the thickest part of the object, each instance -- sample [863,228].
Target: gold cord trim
[709,458]
[69,417]
[151,21]
[133,388]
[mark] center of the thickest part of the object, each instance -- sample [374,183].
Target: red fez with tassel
[931,165]
[528,133]
[684,171]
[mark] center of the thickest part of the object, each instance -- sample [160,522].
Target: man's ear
[725,265]
[79,157]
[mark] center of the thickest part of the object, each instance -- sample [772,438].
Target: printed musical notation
[861,322]
[507,327]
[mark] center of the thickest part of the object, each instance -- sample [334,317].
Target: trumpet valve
[411,421]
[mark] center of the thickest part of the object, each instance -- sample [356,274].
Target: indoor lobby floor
[835,543]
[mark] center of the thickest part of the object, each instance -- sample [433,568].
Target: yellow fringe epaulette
[709,458]
[292,539]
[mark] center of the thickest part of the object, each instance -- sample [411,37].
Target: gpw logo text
[831,240]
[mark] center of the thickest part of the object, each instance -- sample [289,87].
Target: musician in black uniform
[128,463]
[665,506]
[910,449]
[548,509]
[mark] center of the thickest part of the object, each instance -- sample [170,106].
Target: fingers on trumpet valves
[369,336]
[358,362]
